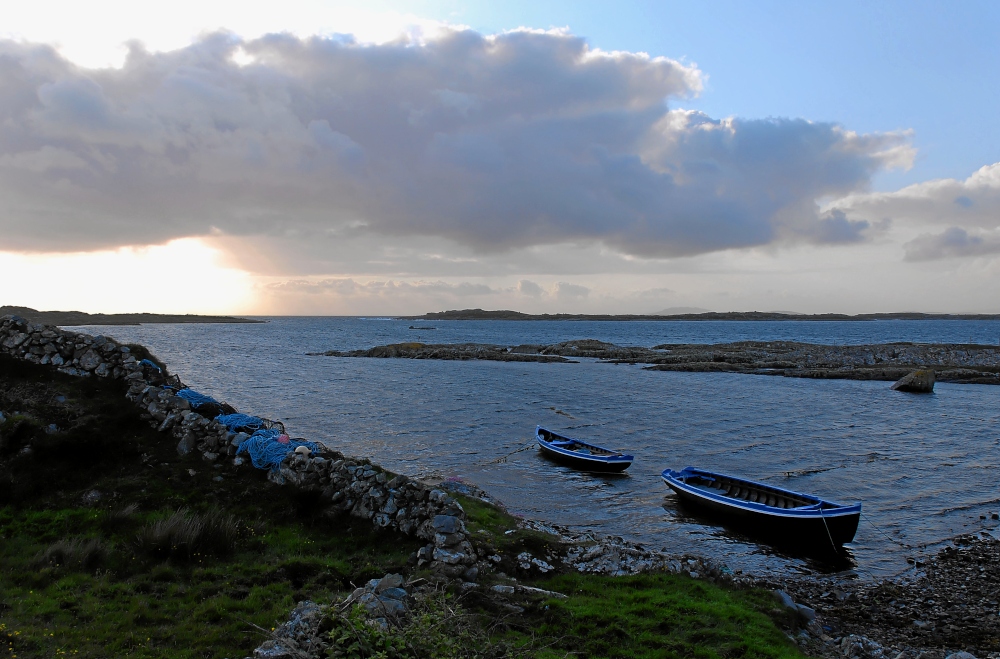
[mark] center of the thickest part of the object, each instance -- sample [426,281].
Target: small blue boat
[783,516]
[580,454]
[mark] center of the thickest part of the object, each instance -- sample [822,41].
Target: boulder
[917,382]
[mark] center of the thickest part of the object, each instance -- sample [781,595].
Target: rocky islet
[958,363]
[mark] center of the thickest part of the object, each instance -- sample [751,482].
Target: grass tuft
[184,536]
[119,517]
[85,554]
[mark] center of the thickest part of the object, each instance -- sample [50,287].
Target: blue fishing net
[242,422]
[196,398]
[266,451]
[146,362]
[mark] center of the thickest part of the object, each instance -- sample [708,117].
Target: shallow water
[923,466]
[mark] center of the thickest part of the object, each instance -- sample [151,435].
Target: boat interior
[573,445]
[755,493]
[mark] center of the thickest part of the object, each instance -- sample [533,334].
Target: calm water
[924,466]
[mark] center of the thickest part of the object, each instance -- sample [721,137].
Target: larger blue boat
[580,454]
[784,516]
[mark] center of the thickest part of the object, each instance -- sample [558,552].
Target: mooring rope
[502,459]
[827,527]
[887,536]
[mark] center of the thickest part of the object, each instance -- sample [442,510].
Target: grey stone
[917,382]
[393,594]
[90,360]
[388,581]
[449,557]
[806,612]
[785,599]
[187,444]
[273,650]
[503,590]
[961,655]
[447,523]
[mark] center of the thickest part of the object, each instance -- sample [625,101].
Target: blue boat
[580,454]
[782,516]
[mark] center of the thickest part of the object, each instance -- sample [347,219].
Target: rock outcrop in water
[973,364]
[917,382]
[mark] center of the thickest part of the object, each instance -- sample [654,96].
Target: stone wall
[350,486]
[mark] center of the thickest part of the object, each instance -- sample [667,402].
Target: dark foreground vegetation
[111,545]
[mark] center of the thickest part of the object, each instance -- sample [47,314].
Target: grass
[164,563]
[113,545]
[658,615]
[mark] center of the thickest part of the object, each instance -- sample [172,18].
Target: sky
[333,158]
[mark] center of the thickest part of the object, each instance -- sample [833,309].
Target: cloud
[835,227]
[952,242]
[529,288]
[348,287]
[970,204]
[492,143]
[565,291]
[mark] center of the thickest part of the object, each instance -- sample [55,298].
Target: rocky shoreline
[949,603]
[958,363]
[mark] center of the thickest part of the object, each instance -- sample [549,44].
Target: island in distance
[70,318]
[691,313]
[966,364]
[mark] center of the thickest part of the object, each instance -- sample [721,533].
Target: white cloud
[971,204]
[487,143]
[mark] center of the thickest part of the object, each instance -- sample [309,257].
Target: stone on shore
[917,382]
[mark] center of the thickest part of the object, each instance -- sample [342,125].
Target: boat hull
[615,463]
[820,524]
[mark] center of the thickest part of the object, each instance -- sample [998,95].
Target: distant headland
[479,314]
[65,318]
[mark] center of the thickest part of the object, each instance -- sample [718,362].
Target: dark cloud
[951,243]
[491,142]
[529,288]
[836,227]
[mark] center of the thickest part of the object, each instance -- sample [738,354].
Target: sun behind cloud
[181,276]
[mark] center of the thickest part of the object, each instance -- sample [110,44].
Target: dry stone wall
[349,486]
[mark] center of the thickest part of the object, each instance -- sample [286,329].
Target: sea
[924,466]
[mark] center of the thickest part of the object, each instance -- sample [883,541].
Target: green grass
[657,615]
[202,606]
